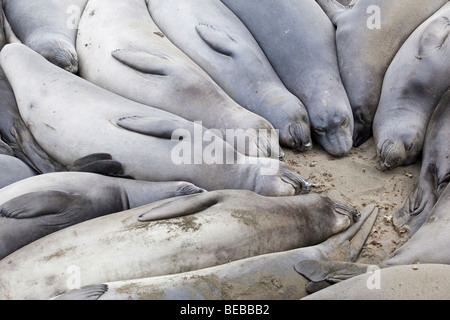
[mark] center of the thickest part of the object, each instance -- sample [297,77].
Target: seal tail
[91,292]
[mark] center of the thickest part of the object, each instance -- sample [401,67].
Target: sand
[355,180]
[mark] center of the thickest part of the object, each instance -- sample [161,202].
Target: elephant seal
[265,277]
[414,83]
[122,50]
[172,236]
[405,282]
[434,173]
[368,37]
[221,44]
[299,40]
[48,26]
[13,170]
[79,118]
[37,206]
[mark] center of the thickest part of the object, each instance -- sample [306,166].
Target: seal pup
[122,50]
[300,42]
[37,206]
[405,282]
[264,277]
[222,45]
[47,26]
[171,236]
[434,173]
[367,37]
[414,83]
[79,118]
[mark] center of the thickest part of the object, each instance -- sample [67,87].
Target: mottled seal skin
[414,83]
[434,173]
[222,45]
[79,118]
[265,277]
[365,53]
[122,50]
[13,169]
[171,236]
[37,206]
[48,27]
[299,40]
[405,282]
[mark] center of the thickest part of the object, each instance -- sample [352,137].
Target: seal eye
[319,131]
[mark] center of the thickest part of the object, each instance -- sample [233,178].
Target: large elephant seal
[48,26]
[265,277]
[71,118]
[13,169]
[205,230]
[299,40]
[221,44]
[368,36]
[414,83]
[406,282]
[122,50]
[37,206]
[434,173]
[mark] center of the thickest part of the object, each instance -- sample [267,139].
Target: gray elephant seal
[122,50]
[154,145]
[406,282]
[414,83]
[13,170]
[222,45]
[306,64]
[48,27]
[37,206]
[265,277]
[368,37]
[434,173]
[205,230]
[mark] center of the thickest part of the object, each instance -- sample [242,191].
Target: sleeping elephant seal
[405,282]
[13,169]
[414,83]
[37,206]
[368,35]
[299,40]
[221,44]
[47,26]
[434,173]
[264,277]
[71,117]
[122,50]
[185,233]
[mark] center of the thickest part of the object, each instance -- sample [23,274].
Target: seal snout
[392,154]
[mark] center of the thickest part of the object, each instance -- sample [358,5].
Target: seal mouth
[347,210]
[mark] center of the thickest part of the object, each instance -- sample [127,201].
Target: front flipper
[36,204]
[182,206]
[101,163]
[216,39]
[156,127]
[146,62]
[92,292]
[5,149]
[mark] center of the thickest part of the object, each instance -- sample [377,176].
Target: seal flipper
[5,149]
[101,163]
[36,204]
[182,206]
[156,127]
[434,36]
[216,39]
[91,292]
[143,61]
